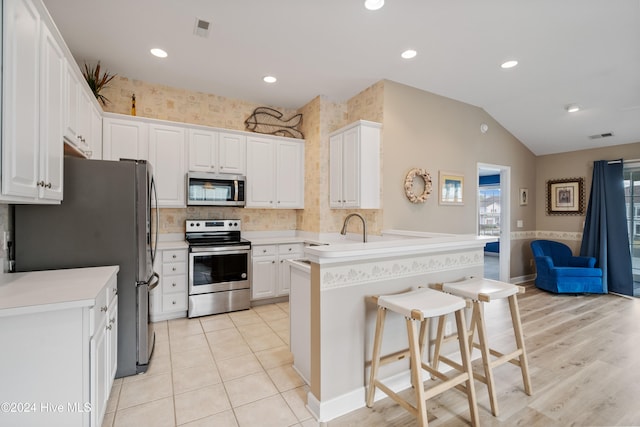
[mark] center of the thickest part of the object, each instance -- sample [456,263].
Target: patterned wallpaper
[320,118]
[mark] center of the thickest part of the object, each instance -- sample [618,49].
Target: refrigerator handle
[155,279]
[154,242]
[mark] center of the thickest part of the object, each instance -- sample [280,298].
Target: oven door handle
[219,250]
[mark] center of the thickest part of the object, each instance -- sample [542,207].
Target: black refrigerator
[105,218]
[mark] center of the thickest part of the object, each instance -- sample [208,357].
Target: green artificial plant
[96,81]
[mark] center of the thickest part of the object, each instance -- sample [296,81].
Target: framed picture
[451,188]
[565,196]
[524,196]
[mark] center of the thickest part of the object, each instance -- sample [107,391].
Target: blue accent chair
[560,272]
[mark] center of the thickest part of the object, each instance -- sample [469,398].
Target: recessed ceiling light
[373,4]
[509,64]
[408,54]
[158,52]
[572,108]
[269,79]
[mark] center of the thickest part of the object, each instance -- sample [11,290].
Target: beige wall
[571,165]
[424,130]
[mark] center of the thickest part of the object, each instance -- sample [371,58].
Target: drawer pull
[174,256]
[174,269]
[173,284]
[173,302]
[264,251]
[109,327]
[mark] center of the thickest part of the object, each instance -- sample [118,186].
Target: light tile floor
[230,369]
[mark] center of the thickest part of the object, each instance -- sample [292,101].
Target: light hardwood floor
[584,358]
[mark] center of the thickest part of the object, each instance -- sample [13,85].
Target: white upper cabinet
[53,66]
[95,143]
[290,175]
[166,154]
[275,173]
[124,138]
[81,130]
[32,87]
[354,169]
[232,153]
[261,179]
[217,152]
[203,150]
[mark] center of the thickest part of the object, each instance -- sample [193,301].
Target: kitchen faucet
[364,226]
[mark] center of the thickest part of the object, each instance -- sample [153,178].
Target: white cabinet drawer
[174,268]
[99,311]
[292,248]
[174,302]
[174,284]
[174,255]
[264,250]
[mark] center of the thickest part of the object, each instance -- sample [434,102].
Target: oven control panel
[208,225]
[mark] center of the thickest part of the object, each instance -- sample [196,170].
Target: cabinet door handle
[40,183]
[174,269]
[174,256]
[273,262]
[264,251]
[48,185]
[103,308]
[173,284]
[173,302]
[109,327]
[290,249]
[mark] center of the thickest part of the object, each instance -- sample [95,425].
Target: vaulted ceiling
[584,52]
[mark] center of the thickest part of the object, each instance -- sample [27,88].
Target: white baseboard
[522,279]
[356,399]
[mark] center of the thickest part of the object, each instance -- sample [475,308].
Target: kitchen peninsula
[341,320]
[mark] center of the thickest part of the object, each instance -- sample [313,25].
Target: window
[489,211]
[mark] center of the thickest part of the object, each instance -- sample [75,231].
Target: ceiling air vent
[601,135]
[202,28]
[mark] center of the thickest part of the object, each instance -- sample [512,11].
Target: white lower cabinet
[169,299]
[270,272]
[58,365]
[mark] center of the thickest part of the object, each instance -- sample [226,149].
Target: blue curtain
[605,235]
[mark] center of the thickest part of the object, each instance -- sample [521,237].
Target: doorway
[493,219]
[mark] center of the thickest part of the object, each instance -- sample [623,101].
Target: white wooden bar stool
[480,290]
[418,307]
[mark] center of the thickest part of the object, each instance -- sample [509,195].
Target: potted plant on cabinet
[96,81]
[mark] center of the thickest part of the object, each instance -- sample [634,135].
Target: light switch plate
[520,223]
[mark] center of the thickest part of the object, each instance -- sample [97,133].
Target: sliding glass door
[632,202]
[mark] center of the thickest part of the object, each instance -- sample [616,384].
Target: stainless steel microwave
[208,189]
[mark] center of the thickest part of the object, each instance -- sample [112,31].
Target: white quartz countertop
[405,244]
[24,293]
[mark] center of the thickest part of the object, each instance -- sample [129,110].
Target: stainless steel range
[219,259]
